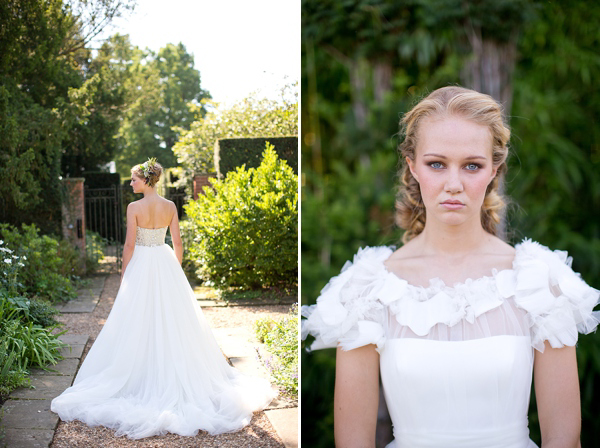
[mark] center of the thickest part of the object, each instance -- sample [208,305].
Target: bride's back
[154,212]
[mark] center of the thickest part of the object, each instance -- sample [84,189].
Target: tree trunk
[382,79]
[490,71]
[359,72]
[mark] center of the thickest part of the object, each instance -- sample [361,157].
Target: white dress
[456,362]
[155,366]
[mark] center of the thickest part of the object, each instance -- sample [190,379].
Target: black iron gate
[105,230]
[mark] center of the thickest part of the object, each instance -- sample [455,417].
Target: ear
[411,167]
[494,172]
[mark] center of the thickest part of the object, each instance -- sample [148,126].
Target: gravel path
[259,433]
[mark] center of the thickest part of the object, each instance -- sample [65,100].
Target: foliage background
[349,162]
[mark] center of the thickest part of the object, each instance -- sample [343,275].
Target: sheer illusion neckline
[438,283]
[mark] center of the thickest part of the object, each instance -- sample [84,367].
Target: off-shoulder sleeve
[558,302]
[348,312]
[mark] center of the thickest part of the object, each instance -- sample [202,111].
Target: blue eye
[436,165]
[473,166]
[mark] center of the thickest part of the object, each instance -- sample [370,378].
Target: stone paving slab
[209,303]
[235,341]
[74,339]
[29,414]
[46,386]
[87,298]
[285,422]
[28,420]
[66,367]
[76,345]
[249,366]
[73,351]
[79,305]
[27,438]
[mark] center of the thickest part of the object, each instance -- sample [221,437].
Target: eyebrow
[444,157]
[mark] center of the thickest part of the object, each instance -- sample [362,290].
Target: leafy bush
[34,311]
[94,249]
[24,341]
[281,339]
[50,267]
[186,228]
[32,344]
[246,229]
[11,375]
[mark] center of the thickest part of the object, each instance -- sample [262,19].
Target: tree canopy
[250,117]
[67,109]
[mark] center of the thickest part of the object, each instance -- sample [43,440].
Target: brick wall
[73,214]
[202,180]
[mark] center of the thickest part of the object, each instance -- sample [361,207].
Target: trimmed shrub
[233,152]
[246,227]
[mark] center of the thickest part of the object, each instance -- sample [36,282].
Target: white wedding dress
[156,367]
[456,362]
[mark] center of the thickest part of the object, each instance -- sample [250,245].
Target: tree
[48,105]
[156,89]
[251,117]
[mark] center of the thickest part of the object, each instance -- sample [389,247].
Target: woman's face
[137,183]
[453,165]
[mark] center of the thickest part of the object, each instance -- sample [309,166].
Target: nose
[454,182]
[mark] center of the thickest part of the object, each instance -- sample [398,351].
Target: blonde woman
[156,367]
[455,321]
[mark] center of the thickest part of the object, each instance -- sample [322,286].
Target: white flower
[21,264]
[14,256]
[8,260]
[1,241]
[24,257]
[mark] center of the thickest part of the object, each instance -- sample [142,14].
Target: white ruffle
[558,302]
[347,311]
[352,308]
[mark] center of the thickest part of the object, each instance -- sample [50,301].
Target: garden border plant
[281,339]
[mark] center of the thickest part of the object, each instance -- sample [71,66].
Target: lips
[452,201]
[452,204]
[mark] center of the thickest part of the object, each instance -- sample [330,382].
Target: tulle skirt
[156,366]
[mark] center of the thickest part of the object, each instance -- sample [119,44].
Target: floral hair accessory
[147,167]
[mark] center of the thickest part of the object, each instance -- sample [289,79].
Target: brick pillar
[202,180]
[73,214]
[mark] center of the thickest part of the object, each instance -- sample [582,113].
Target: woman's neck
[150,192]
[442,239]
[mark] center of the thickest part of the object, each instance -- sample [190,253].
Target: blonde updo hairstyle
[155,169]
[445,102]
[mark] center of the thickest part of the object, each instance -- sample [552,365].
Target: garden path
[29,422]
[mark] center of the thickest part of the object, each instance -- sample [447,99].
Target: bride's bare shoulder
[500,247]
[408,250]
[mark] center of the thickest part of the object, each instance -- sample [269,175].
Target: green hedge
[246,227]
[233,152]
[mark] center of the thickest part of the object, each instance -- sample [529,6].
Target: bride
[156,367]
[456,322]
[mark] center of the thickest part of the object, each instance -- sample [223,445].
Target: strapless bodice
[150,237]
